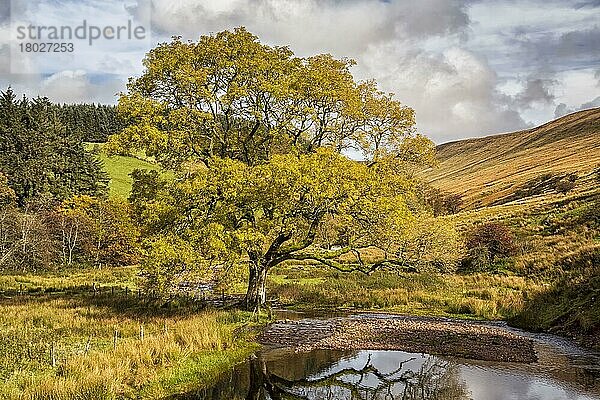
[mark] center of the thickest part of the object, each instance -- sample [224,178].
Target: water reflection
[432,379]
[394,375]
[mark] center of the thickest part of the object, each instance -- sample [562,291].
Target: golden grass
[487,169]
[471,296]
[72,278]
[79,333]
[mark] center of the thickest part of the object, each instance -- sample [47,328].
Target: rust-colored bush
[487,244]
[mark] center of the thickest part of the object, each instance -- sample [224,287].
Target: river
[563,371]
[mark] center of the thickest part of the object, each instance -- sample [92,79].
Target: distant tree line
[40,157]
[54,208]
[90,122]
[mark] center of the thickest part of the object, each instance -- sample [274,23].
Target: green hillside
[119,169]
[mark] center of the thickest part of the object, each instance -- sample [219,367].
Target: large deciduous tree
[258,140]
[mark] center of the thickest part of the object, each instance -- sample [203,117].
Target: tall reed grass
[90,348]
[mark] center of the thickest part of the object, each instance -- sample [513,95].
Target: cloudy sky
[468,68]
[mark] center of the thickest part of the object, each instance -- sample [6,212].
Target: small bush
[566,184]
[487,244]
[453,203]
[440,202]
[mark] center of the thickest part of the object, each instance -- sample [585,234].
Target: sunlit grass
[58,347]
[473,296]
[119,169]
[74,278]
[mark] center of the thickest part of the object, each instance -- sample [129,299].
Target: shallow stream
[563,371]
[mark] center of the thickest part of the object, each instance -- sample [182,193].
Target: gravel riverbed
[437,336]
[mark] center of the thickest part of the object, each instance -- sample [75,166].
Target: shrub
[440,202]
[453,203]
[566,184]
[430,244]
[488,243]
[479,258]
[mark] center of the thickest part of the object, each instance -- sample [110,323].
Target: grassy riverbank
[548,284]
[59,346]
[571,307]
[479,296]
[58,337]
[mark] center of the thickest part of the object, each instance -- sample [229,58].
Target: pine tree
[41,156]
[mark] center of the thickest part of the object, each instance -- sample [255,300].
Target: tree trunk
[256,296]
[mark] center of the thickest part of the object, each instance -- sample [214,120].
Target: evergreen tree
[91,122]
[40,156]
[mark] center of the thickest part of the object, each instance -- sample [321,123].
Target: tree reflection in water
[435,379]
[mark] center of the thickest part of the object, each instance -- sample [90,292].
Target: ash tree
[258,140]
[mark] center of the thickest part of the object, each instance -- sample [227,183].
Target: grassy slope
[568,247]
[570,307]
[119,169]
[559,234]
[487,169]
